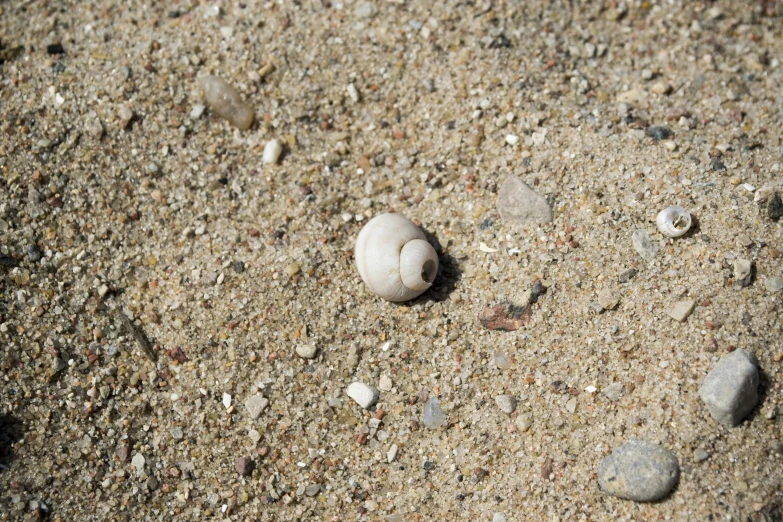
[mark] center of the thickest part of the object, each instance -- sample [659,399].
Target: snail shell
[673,221]
[394,258]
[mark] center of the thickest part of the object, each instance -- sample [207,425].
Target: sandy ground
[115,198]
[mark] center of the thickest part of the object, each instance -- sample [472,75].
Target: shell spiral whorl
[394,258]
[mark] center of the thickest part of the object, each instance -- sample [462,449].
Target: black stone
[428,465]
[659,133]
[55,49]
[717,165]
[775,207]
[239,267]
[34,253]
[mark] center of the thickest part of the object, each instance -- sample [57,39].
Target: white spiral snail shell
[673,221]
[394,258]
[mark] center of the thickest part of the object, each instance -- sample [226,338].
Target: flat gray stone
[730,390]
[680,310]
[518,203]
[255,405]
[644,246]
[639,471]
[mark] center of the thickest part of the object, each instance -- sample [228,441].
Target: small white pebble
[353,92]
[226,400]
[512,139]
[591,389]
[272,151]
[197,111]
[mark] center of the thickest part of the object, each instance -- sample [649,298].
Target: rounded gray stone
[730,390]
[639,471]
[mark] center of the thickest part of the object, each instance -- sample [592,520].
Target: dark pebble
[659,133]
[55,49]
[775,207]
[174,14]
[58,67]
[244,466]
[429,466]
[627,275]
[717,165]
[239,267]
[7,261]
[34,253]
[486,224]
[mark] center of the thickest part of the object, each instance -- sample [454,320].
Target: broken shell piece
[673,221]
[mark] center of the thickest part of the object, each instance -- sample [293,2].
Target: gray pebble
[614,391]
[152,483]
[639,471]
[644,246]
[518,203]
[176,433]
[255,405]
[773,284]
[743,272]
[59,365]
[627,275]
[312,490]
[680,310]
[730,390]
[365,10]
[506,403]
[224,100]
[112,350]
[775,207]
[659,133]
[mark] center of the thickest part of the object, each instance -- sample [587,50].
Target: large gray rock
[730,390]
[639,471]
[518,203]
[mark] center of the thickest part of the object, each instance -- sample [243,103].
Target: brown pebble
[546,469]
[244,466]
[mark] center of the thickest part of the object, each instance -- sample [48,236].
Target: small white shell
[394,258]
[673,221]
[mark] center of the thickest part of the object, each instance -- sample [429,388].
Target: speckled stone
[730,390]
[639,471]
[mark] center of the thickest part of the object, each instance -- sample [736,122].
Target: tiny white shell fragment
[484,248]
[591,389]
[512,139]
[226,400]
[673,221]
[272,151]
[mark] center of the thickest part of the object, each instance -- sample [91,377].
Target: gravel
[730,390]
[226,102]
[436,89]
[743,272]
[307,351]
[681,310]
[244,466]
[640,471]
[434,417]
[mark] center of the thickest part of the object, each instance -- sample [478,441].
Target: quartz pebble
[743,272]
[680,310]
[626,275]
[730,390]
[255,405]
[700,455]
[501,361]
[364,395]
[518,203]
[225,101]
[524,422]
[499,517]
[138,461]
[392,453]
[272,151]
[385,383]
[644,246]
[614,391]
[506,403]
[639,471]
[434,417]
[307,351]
